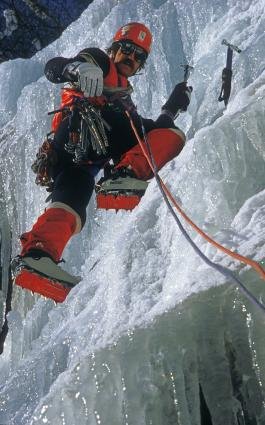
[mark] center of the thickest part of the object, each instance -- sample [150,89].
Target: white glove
[90,77]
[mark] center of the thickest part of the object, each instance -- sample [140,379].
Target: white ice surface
[135,266]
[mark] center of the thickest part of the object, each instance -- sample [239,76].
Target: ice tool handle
[187,71]
[227,72]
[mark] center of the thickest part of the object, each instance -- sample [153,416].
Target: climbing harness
[227,72]
[86,129]
[168,196]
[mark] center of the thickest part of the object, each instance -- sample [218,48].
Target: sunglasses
[128,48]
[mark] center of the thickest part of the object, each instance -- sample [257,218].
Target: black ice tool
[227,72]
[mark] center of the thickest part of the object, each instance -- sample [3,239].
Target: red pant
[165,144]
[51,231]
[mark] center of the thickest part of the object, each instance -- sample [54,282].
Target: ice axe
[187,71]
[172,107]
[227,72]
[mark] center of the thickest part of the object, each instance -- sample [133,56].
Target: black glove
[179,100]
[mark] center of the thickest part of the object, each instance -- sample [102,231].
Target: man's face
[128,62]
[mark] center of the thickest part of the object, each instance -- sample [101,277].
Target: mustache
[128,62]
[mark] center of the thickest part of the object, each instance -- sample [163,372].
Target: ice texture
[151,335]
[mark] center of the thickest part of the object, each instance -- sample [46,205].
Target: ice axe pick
[187,71]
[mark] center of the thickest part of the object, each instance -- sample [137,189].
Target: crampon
[43,276]
[122,193]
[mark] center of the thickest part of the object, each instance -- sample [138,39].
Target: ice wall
[149,336]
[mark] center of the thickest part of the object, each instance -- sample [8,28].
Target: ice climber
[100,76]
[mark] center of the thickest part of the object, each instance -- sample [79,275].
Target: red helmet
[138,33]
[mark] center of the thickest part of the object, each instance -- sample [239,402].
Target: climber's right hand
[89,77]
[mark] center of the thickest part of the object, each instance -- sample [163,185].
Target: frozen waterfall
[152,335]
